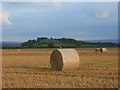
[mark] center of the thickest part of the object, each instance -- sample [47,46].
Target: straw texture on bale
[64,60]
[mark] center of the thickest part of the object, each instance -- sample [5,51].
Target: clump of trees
[44,42]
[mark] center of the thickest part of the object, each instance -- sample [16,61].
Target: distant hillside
[44,42]
[6,43]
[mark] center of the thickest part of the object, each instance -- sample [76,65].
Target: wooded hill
[44,42]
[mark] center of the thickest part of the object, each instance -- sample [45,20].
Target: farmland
[30,68]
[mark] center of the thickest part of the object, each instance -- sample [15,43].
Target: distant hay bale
[104,49]
[64,60]
[100,50]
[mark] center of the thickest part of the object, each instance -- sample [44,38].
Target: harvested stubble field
[30,68]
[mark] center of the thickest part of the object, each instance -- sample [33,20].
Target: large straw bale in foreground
[64,60]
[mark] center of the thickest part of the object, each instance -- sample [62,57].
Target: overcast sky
[79,20]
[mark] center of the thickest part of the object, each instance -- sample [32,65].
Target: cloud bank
[4,16]
[102,15]
[73,20]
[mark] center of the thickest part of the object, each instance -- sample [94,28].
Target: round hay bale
[64,60]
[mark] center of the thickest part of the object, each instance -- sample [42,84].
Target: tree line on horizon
[44,42]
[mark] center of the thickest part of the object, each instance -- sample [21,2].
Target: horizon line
[60,38]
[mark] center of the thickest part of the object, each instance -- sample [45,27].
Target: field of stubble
[30,68]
